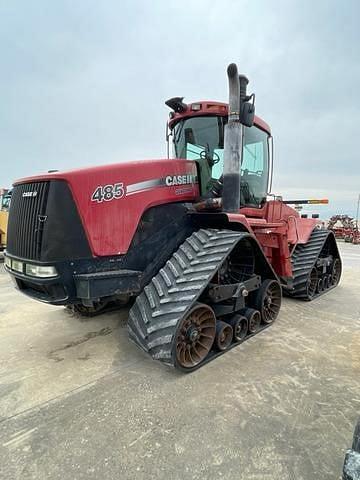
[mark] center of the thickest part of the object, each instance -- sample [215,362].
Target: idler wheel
[195,336]
[239,325]
[268,300]
[224,335]
[254,319]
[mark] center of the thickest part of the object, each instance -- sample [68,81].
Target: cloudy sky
[84,83]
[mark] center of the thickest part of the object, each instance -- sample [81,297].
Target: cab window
[202,139]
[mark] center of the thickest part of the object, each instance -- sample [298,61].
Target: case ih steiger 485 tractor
[194,238]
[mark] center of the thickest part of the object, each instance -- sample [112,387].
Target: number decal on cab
[106,193]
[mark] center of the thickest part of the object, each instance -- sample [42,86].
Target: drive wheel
[195,336]
[268,300]
[336,272]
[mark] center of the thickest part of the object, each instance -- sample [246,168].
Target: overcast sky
[84,83]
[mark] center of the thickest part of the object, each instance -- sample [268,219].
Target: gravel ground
[77,400]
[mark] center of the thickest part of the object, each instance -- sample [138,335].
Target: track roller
[268,300]
[224,335]
[239,324]
[254,319]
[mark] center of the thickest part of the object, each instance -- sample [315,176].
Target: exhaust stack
[233,140]
[241,112]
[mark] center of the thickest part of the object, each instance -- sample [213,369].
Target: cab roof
[206,107]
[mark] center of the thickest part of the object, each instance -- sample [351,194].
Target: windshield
[202,139]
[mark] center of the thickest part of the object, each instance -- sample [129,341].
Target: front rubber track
[158,310]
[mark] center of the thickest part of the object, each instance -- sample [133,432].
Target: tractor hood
[110,199]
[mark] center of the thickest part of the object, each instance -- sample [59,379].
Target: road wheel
[224,335]
[239,325]
[254,319]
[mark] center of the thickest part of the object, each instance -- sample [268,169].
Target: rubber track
[157,311]
[303,260]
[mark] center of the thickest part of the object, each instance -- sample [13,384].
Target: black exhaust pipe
[233,145]
[241,112]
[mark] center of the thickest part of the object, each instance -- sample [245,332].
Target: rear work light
[40,271]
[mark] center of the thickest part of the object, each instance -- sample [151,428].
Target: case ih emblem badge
[172,180]
[29,194]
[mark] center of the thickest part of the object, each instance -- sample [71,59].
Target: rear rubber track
[303,261]
[165,301]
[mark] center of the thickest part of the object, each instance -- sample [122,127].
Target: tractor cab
[197,133]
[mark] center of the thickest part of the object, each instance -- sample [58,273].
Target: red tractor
[194,238]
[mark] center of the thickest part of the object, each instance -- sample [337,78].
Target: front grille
[26,218]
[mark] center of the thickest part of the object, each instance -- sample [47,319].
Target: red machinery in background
[345,227]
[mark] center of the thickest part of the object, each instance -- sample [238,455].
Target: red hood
[97,170]
[110,221]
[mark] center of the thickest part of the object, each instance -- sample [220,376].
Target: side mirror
[247,103]
[247,114]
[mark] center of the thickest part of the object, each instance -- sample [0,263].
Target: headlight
[7,262]
[40,271]
[17,265]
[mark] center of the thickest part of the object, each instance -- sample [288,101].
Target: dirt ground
[77,400]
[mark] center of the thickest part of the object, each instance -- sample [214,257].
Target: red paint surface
[278,228]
